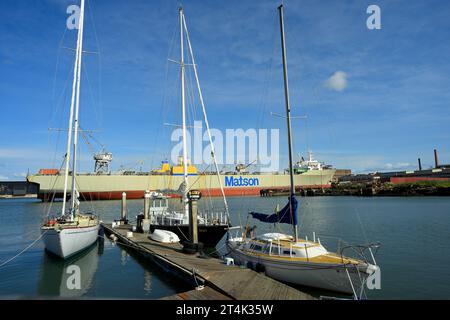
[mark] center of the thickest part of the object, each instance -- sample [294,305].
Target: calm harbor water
[414,257]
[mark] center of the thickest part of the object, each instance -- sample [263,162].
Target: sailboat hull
[69,241]
[330,277]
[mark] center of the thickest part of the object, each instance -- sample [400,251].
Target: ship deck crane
[102,159]
[240,168]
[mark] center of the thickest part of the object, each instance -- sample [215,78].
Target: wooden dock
[206,293]
[215,280]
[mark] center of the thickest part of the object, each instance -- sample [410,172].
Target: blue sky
[393,108]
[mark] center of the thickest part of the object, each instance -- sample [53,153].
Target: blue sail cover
[282,216]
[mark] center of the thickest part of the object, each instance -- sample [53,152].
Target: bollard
[146,204]
[146,220]
[193,215]
[124,207]
[193,246]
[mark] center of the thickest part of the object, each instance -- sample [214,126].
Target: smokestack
[420,164]
[436,159]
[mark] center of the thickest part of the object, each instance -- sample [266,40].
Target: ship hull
[139,194]
[111,187]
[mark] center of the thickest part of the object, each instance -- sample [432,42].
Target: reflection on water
[56,276]
[123,258]
[147,281]
[107,270]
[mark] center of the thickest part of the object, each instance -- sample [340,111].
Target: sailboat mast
[288,112]
[77,107]
[213,152]
[183,111]
[69,131]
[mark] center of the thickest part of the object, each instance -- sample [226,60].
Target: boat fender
[371,269]
[229,261]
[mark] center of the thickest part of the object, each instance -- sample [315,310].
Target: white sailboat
[72,231]
[288,258]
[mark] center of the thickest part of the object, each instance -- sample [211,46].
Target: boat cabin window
[159,203]
[256,247]
[287,252]
[275,249]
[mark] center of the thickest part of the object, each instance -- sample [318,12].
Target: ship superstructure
[311,164]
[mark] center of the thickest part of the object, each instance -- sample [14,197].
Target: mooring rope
[23,251]
[183,233]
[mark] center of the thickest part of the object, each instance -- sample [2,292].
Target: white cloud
[398,166]
[13,153]
[359,163]
[337,82]
[3,177]
[24,153]
[20,175]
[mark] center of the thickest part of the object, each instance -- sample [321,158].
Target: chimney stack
[420,164]
[436,159]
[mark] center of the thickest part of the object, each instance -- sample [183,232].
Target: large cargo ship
[104,185]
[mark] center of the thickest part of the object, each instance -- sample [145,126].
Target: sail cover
[282,216]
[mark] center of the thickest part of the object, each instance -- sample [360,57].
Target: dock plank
[206,293]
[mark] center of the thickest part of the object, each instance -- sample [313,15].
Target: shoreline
[371,190]
[27,196]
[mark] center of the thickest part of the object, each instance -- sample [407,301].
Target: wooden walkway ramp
[219,280]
